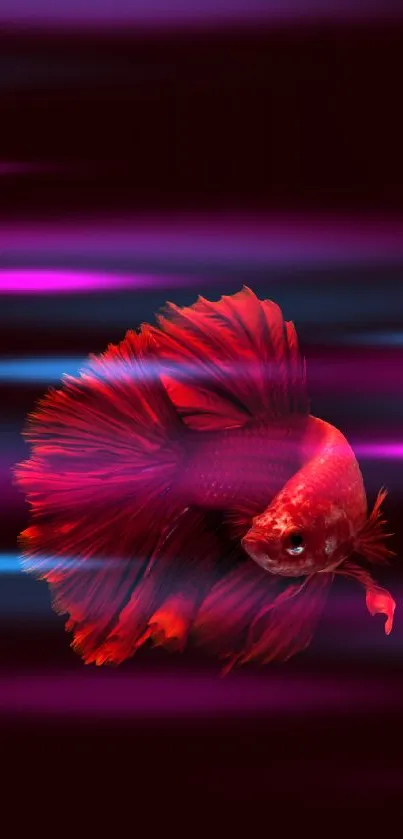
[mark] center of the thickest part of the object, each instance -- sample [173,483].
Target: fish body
[181,492]
[223,468]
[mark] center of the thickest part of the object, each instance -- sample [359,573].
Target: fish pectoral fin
[380,602]
[378,599]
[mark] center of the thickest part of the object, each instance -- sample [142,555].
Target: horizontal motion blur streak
[163,13]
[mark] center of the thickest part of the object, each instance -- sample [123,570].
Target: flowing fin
[224,363]
[162,607]
[105,448]
[286,626]
[248,616]
[370,541]
[225,615]
[378,599]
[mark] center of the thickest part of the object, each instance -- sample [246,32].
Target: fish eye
[295,544]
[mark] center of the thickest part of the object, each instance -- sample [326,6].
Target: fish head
[293,539]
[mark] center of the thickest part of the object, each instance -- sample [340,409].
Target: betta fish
[181,493]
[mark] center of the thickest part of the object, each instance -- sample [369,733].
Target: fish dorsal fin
[226,362]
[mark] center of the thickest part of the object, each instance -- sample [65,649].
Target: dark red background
[304,118]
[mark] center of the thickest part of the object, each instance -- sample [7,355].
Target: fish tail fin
[370,541]
[100,482]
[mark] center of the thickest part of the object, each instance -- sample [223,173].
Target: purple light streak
[164,13]
[228,241]
[98,694]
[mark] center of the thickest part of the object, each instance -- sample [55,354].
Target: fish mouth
[257,547]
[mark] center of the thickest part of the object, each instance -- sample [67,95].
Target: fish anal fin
[162,607]
[249,616]
[286,626]
[169,626]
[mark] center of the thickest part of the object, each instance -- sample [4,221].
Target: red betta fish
[181,492]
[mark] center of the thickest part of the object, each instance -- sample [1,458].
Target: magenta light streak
[20,168]
[92,694]
[380,451]
[45,281]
